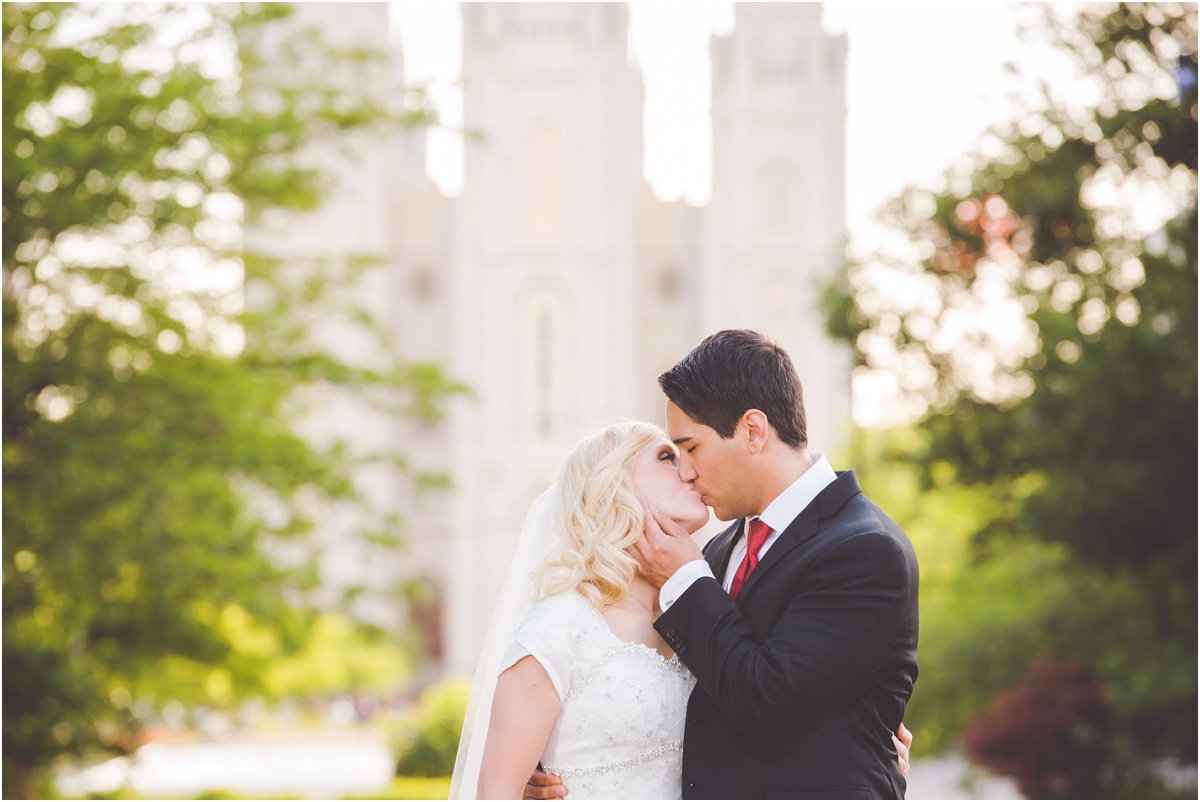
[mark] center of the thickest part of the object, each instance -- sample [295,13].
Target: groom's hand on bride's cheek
[663,548]
[544,786]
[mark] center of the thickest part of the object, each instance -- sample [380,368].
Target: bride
[573,675]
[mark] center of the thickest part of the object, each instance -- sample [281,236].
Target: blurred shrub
[1051,734]
[428,741]
[340,655]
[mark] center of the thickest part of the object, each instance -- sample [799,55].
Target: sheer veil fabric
[538,540]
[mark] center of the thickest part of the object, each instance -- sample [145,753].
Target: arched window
[669,283]
[779,198]
[545,182]
[546,370]
[425,613]
[543,358]
[780,310]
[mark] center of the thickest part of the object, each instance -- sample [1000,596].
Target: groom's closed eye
[682,443]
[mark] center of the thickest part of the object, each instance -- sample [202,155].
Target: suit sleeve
[829,639]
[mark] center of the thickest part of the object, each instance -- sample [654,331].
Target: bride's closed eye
[668,455]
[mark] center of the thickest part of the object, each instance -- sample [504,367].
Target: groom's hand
[544,786]
[663,548]
[902,738]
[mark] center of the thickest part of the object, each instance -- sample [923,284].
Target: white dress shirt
[778,515]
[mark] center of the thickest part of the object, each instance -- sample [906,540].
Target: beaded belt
[569,771]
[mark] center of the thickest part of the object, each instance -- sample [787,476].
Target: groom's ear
[755,429]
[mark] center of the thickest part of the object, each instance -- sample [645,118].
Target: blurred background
[303,306]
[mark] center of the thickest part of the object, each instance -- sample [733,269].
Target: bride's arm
[524,710]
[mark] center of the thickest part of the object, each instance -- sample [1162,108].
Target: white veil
[538,538]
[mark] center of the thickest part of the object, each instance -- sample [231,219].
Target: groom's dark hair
[733,371]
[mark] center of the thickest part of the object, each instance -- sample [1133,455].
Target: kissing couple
[624,663]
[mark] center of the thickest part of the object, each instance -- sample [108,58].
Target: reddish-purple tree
[1050,734]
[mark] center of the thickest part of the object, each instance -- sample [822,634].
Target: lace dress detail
[619,734]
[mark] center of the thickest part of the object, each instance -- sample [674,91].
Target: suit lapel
[718,552]
[804,526]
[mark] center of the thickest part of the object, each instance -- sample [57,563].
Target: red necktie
[756,535]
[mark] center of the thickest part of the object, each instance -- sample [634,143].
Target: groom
[800,620]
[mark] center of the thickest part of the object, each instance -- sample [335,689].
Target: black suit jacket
[804,678]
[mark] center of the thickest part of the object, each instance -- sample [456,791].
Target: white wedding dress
[619,734]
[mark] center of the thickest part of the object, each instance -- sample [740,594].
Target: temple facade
[556,286]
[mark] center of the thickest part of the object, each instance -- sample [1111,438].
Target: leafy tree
[987,613]
[1042,312]
[152,365]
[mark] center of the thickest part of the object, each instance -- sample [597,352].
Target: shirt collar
[780,513]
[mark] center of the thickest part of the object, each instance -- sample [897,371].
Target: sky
[923,81]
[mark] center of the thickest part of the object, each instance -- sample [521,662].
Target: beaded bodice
[619,734]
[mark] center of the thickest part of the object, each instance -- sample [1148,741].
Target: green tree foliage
[428,742]
[147,400]
[989,610]
[337,657]
[1043,314]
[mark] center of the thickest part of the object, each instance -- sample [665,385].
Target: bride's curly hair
[598,515]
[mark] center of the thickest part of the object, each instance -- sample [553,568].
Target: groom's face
[715,466]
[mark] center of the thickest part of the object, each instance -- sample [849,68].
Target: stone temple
[556,286]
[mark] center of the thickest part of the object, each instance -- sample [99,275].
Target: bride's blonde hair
[598,515]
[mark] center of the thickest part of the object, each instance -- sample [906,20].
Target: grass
[399,788]
[413,788]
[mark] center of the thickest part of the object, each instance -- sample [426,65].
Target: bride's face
[656,481]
